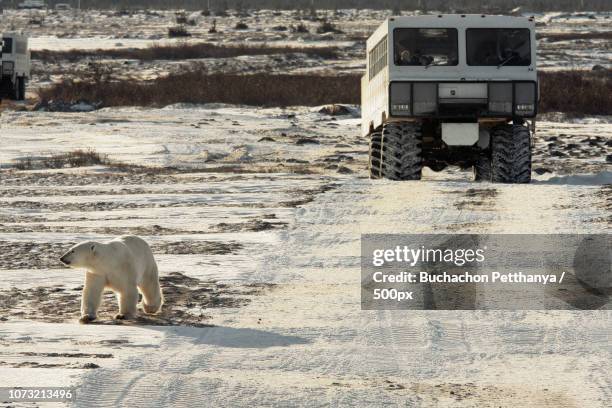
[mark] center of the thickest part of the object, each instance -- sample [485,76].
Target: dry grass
[576,92]
[572,92]
[84,158]
[328,27]
[200,87]
[76,158]
[178,32]
[180,52]
[593,35]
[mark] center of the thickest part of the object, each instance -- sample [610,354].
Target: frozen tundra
[451,90]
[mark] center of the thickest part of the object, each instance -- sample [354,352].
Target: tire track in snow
[361,350]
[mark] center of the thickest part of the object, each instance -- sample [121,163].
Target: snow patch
[598,179]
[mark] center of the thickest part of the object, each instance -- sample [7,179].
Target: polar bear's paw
[122,316]
[86,319]
[151,309]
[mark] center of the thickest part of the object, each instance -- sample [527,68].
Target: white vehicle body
[446,90]
[15,65]
[458,82]
[63,7]
[32,4]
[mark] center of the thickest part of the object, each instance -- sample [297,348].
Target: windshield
[498,46]
[7,48]
[425,46]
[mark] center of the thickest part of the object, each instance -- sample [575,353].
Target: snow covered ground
[256,230]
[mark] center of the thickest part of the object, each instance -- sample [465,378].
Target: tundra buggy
[15,66]
[451,90]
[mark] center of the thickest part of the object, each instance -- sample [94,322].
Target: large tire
[482,168]
[511,154]
[15,88]
[18,89]
[401,151]
[21,83]
[375,162]
[11,91]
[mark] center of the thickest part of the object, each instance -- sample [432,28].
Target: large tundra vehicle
[31,5]
[451,90]
[15,66]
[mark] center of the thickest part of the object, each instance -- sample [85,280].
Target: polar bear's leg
[92,296]
[151,292]
[128,300]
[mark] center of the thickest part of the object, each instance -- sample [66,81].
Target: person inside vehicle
[413,58]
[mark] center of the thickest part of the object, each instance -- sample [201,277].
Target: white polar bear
[125,265]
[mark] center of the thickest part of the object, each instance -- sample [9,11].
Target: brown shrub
[328,27]
[200,87]
[76,158]
[576,92]
[178,31]
[591,35]
[181,52]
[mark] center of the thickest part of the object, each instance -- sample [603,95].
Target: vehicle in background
[451,90]
[32,5]
[15,66]
[63,7]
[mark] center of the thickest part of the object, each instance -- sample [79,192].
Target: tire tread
[511,154]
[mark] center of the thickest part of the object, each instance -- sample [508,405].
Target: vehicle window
[378,57]
[8,46]
[21,47]
[425,46]
[498,46]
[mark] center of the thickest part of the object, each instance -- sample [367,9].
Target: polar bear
[125,265]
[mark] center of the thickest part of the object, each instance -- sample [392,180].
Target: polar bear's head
[82,255]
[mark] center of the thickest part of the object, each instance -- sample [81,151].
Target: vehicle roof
[449,21]
[461,17]
[13,34]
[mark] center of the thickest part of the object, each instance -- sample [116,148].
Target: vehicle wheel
[15,88]
[401,151]
[511,154]
[21,82]
[10,91]
[482,168]
[375,162]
